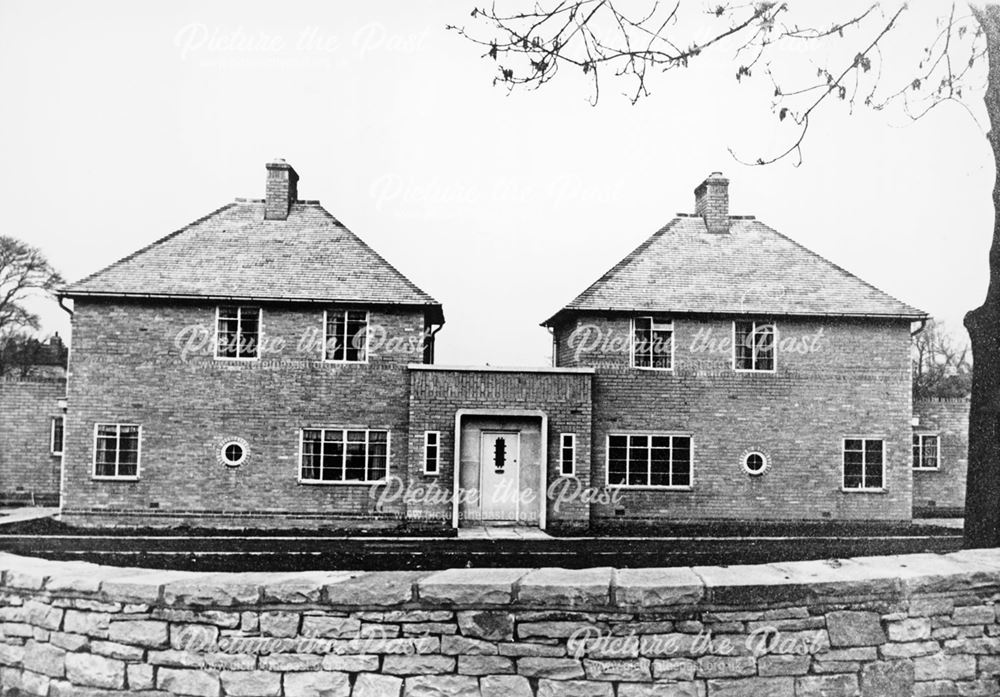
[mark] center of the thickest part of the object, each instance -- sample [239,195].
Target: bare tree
[959,60]
[942,363]
[24,272]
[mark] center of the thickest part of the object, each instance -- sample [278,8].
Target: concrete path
[16,515]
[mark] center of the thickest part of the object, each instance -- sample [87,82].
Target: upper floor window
[567,454]
[864,464]
[432,452]
[343,455]
[753,345]
[647,460]
[346,336]
[56,436]
[116,451]
[237,332]
[652,343]
[926,451]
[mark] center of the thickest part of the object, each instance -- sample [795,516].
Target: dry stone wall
[921,625]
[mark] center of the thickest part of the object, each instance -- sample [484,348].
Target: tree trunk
[982,487]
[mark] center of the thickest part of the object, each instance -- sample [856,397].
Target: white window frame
[567,440]
[437,459]
[864,452]
[640,487]
[324,345]
[239,330]
[653,327]
[920,435]
[52,436]
[118,435]
[349,482]
[753,355]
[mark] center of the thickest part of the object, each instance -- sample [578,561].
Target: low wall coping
[802,582]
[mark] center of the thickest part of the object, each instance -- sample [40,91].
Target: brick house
[263,366]
[940,456]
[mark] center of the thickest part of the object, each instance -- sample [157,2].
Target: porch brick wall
[29,472]
[856,383]
[565,398]
[127,366]
[942,491]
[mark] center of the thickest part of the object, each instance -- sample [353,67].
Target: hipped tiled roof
[752,270]
[235,253]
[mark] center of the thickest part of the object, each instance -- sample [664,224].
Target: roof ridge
[413,286]
[149,246]
[622,263]
[835,265]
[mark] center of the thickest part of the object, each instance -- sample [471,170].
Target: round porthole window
[755,463]
[234,452]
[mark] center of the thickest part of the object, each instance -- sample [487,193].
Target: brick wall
[436,395]
[126,366]
[920,625]
[942,491]
[29,472]
[856,383]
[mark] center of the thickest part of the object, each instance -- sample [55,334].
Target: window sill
[311,482]
[845,490]
[652,370]
[228,359]
[103,478]
[748,371]
[927,469]
[648,487]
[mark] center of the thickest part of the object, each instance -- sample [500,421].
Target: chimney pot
[281,189]
[711,202]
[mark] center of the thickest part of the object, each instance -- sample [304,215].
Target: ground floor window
[926,451]
[432,452]
[864,463]
[567,454]
[343,455]
[56,437]
[116,451]
[649,460]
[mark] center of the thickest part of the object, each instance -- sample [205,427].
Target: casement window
[56,436]
[432,452]
[652,343]
[864,464]
[649,461]
[926,451]
[753,345]
[116,451]
[346,336]
[567,454]
[237,333]
[330,455]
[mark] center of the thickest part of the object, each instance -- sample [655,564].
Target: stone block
[845,685]
[375,685]
[725,666]
[485,665]
[427,664]
[783,665]
[945,667]
[887,679]
[574,688]
[652,588]
[351,664]
[629,670]
[455,645]
[555,668]
[752,687]
[329,627]
[566,587]
[45,659]
[251,683]
[853,628]
[139,676]
[505,686]
[95,671]
[149,633]
[317,684]
[470,586]
[491,626]
[441,686]
[183,681]
[113,649]
[279,624]
[377,588]
[913,629]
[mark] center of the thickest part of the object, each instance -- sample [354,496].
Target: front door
[498,475]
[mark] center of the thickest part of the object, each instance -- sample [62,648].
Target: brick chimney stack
[281,191]
[711,202]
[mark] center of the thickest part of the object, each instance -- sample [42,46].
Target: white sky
[123,121]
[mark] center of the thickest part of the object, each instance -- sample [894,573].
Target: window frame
[138,453]
[437,458]
[753,357]
[651,487]
[652,329]
[864,452]
[562,453]
[345,482]
[325,343]
[52,435]
[920,436]
[239,325]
